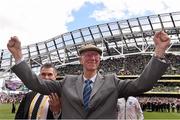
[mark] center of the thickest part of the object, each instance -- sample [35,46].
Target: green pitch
[161,115]
[5,113]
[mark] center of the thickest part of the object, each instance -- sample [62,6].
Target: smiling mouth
[91,63]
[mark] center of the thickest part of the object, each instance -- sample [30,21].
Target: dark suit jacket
[106,89]
[22,112]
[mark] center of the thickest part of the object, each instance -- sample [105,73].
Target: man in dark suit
[37,106]
[92,95]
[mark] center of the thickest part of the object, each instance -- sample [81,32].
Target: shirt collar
[92,78]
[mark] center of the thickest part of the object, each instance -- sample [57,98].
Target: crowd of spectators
[149,104]
[166,87]
[128,65]
[160,104]
[10,98]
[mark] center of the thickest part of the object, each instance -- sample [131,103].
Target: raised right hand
[14,46]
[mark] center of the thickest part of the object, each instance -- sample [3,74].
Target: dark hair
[48,65]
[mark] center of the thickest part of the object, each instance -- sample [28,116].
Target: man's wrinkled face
[48,74]
[90,60]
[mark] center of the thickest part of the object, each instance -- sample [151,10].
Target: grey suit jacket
[106,90]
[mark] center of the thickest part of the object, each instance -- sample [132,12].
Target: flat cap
[89,47]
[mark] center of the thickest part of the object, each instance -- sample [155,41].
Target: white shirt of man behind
[129,109]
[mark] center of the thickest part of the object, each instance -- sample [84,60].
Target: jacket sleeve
[145,82]
[33,82]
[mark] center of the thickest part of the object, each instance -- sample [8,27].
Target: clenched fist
[14,46]
[162,42]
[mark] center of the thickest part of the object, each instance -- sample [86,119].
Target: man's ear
[56,74]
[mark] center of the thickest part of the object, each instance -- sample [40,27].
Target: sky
[39,20]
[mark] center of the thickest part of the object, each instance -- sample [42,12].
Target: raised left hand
[54,103]
[162,42]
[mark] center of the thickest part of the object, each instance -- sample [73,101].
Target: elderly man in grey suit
[92,95]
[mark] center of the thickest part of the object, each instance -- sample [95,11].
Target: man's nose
[93,57]
[46,77]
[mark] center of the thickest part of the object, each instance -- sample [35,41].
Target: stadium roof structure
[116,39]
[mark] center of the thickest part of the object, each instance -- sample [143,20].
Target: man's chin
[92,69]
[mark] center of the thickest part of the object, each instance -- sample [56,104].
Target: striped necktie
[86,94]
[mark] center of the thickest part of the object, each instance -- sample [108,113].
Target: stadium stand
[127,47]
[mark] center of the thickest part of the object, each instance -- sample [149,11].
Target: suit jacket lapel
[79,87]
[98,83]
